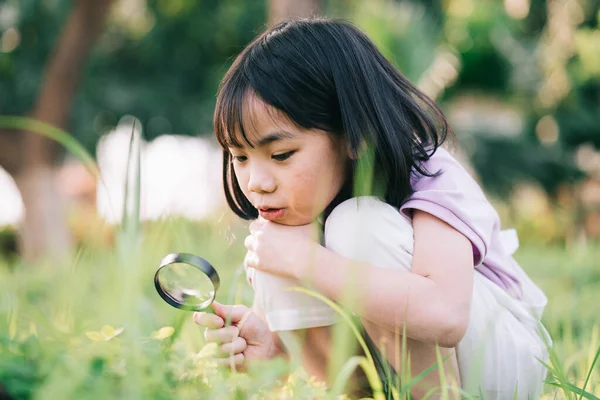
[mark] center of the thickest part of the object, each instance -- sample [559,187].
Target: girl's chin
[301,221]
[291,220]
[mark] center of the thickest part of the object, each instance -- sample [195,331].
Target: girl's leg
[368,230]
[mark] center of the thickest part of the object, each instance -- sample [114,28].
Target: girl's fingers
[251,260]
[223,335]
[237,360]
[208,320]
[249,242]
[254,226]
[235,347]
[236,314]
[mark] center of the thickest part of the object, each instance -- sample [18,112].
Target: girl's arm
[433,300]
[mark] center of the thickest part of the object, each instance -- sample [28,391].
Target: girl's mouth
[272,214]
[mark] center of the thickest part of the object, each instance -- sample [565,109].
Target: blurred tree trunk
[284,9]
[44,230]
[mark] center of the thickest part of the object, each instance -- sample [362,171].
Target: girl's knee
[367,229]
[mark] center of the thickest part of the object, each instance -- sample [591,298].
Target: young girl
[296,113]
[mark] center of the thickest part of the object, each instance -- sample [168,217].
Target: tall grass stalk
[129,255]
[371,371]
[60,136]
[54,133]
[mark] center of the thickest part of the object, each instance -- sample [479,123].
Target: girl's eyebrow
[275,136]
[270,138]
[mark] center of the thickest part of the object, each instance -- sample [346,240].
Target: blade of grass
[405,374]
[365,183]
[60,136]
[129,256]
[443,383]
[131,203]
[54,133]
[570,388]
[555,368]
[389,376]
[430,393]
[408,386]
[371,372]
[398,357]
[345,373]
[467,396]
[587,378]
[419,377]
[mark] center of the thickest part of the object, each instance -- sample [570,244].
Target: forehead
[258,121]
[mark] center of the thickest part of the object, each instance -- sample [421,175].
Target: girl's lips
[272,214]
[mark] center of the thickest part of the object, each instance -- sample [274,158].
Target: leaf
[109,332]
[209,350]
[163,333]
[589,374]
[95,336]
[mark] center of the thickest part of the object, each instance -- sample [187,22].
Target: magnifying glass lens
[186,281]
[187,284]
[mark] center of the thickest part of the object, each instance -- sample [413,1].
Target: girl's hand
[281,249]
[247,338]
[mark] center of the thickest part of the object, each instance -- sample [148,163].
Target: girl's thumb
[234,313]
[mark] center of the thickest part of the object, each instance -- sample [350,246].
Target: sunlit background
[519,81]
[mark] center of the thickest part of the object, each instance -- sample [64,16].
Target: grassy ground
[90,328]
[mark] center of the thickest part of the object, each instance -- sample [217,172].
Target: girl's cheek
[242,180]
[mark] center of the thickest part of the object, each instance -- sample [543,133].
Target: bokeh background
[519,81]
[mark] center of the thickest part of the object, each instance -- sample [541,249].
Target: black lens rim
[195,261]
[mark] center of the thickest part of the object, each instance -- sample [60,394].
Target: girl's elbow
[452,337]
[454,329]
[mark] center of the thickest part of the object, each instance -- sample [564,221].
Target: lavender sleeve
[454,197]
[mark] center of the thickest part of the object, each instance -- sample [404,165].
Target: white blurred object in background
[181,175]
[11,203]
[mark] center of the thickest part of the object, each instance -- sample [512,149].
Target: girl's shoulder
[451,174]
[454,196]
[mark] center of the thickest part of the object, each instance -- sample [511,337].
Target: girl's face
[291,174]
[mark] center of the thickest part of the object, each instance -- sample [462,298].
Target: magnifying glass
[186,281]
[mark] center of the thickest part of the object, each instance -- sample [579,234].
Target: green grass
[571,280]
[94,328]
[53,345]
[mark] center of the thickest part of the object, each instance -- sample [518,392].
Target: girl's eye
[283,156]
[239,158]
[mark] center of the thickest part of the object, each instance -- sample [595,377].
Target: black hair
[326,74]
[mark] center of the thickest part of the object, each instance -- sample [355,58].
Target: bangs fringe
[228,115]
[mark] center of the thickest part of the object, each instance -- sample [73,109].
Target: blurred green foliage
[161,62]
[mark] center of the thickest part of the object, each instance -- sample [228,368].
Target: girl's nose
[261,181]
